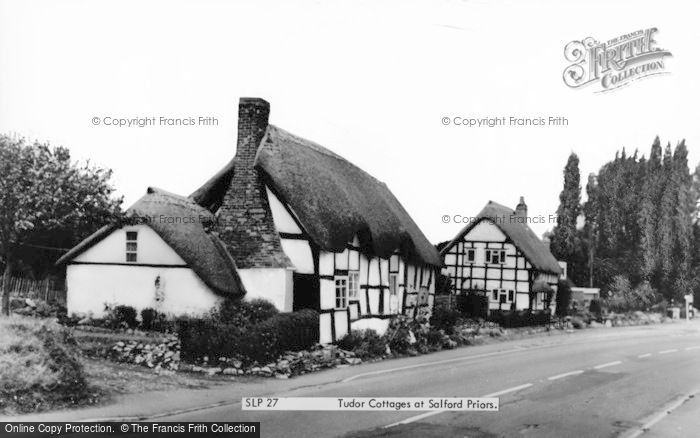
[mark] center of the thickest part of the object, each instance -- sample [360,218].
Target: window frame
[353,285]
[500,253]
[471,255]
[394,284]
[341,299]
[131,246]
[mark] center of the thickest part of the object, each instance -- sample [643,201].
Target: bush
[596,307]
[40,367]
[119,317]
[261,342]
[153,320]
[473,304]
[520,318]
[624,298]
[366,344]
[563,297]
[244,313]
[444,319]
[400,336]
[126,315]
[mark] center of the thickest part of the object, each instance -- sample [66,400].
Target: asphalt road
[601,383]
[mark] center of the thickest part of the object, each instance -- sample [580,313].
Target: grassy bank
[40,367]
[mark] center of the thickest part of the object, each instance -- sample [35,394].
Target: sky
[372,81]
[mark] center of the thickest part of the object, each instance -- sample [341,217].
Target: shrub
[244,313]
[153,320]
[126,315]
[596,307]
[40,366]
[473,304]
[399,335]
[260,342]
[444,319]
[624,298]
[366,344]
[520,318]
[563,297]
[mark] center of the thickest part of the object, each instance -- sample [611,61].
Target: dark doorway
[307,292]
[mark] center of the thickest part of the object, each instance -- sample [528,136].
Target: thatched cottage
[497,255]
[163,256]
[293,223]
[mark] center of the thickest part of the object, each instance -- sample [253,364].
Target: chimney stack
[253,117]
[521,209]
[244,220]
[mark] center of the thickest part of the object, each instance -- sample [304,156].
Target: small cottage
[499,257]
[163,256]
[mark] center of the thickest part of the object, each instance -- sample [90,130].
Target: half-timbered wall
[467,266]
[374,302]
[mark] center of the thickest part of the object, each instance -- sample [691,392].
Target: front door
[307,292]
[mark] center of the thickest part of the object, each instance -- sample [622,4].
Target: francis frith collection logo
[616,62]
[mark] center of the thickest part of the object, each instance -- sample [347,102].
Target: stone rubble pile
[164,356]
[288,365]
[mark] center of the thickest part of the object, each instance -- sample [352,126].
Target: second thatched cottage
[308,229]
[291,222]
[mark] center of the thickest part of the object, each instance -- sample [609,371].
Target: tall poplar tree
[564,240]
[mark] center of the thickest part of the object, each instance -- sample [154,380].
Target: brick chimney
[244,220]
[521,208]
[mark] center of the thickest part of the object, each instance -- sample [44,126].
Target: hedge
[260,342]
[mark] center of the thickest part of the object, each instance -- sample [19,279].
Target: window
[393,293]
[393,284]
[502,295]
[131,246]
[353,284]
[341,292]
[471,255]
[496,256]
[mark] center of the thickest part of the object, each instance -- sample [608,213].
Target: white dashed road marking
[672,350]
[506,391]
[609,364]
[641,356]
[693,348]
[561,376]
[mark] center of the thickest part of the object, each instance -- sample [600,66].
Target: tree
[43,192]
[564,238]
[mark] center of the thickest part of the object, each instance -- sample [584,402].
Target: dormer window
[131,246]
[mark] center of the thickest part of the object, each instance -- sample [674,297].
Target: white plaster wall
[325,334]
[284,223]
[341,324]
[272,284]
[151,249]
[90,287]
[486,231]
[299,252]
[377,324]
[327,294]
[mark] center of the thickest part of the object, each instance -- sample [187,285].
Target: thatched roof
[333,199]
[518,232]
[201,250]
